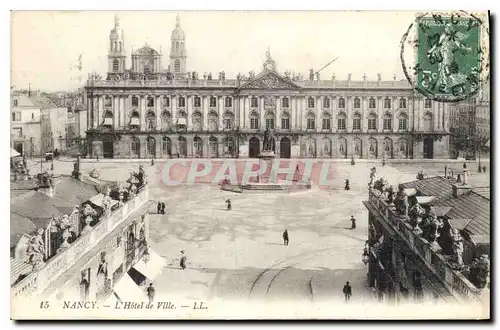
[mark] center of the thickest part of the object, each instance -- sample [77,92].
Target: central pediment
[269,80]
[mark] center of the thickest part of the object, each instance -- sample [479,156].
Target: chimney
[460,189]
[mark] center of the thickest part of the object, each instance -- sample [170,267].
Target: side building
[71,242]
[429,242]
[148,112]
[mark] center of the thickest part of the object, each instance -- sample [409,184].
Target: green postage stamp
[450,55]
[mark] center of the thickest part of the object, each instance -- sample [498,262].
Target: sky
[46,44]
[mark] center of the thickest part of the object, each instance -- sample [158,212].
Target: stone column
[116,111]
[262,114]
[303,113]
[246,117]
[293,112]
[239,107]
[380,114]
[205,112]
[394,112]
[334,122]
[158,113]
[220,107]
[318,107]
[277,113]
[364,115]
[435,115]
[189,107]
[173,103]
[101,110]
[142,120]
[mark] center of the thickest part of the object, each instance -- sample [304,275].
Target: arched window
[134,120]
[427,103]
[151,101]
[428,124]
[166,121]
[213,146]
[403,122]
[371,103]
[116,67]
[198,146]
[166,146]
[270,120]
[254,102]
[326,102]
[181,102]
[402,103]
[228,120]
[387,121]
[310,102]
[135,147]
[357,103]
[372,122]
[228,146]
[387,103]
[311,121]
[151,147]
[213,102]
[285,102]
[341,103]
[254,121]
[228,102]
[177,66]
[197,102]
[151,121]
[356,122]
[165,102]
[213,121]
[341,121]
[135,101]
[326,122]
[197,121]
[285,121]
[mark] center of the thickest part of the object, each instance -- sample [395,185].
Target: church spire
[117,21]
[178,21]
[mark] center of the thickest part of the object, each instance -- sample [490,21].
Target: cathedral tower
[116,51]
[177,50]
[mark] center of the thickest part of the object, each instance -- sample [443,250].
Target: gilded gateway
[148,111]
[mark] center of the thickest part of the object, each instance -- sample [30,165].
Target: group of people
[160,207]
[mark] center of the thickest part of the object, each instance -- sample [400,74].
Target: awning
[134,121]
[152,267]
[127,290]
[108,121]
[181,121]
[14,153]
[425,199]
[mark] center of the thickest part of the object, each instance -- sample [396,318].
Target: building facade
[429,242]
[146,112]
[79,247]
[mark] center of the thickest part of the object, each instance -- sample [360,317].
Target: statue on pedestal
[458,247]
[36,250]
[430,227]
[267,144]
[373,174]
[415,214]
[401,201]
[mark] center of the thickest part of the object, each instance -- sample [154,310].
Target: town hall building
[146,111]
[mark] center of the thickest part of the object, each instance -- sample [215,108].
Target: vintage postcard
[250,165]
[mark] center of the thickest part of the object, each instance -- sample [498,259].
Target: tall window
[428,125]
[387,122]
[357,103]
[427,104]
[341,103]
[310,102]
[197,102]
[181,102]
[254,102]
[166,102]
[356,122]
[371,103]
[311,122]
[285,122]
[270,123]
[228,102]
[341,121]
[228,123]
[402,103]
[151,121]
[135,101]
[254,121]
[13,116]
[326,102]
[372,122]
[387,103]
[285,102]
[326,123]
[213,102]
[402,122]
[115,66]
[212,121]
[151,101]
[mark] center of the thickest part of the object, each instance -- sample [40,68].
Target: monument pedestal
[266,160]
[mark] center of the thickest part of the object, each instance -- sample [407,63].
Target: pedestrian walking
[484,168]
[97,156]
[285,237]
[183,260]
[228,202]
[152,161]
[151,292]
[353,222]
[158,207]
[162,208]
[347,187]
[347,292]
